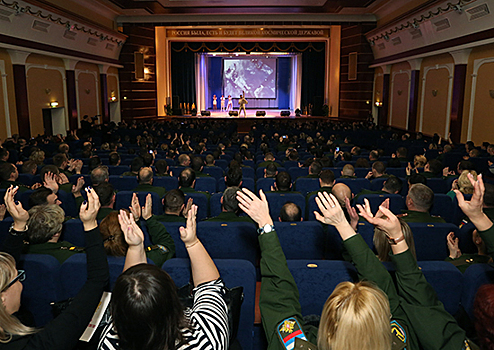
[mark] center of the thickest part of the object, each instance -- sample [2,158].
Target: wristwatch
[265,229]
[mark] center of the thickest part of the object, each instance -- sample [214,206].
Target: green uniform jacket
[267,162]
[22,187]
[159,237]
[170,218]
[61,250]
[161,191]
[228,216]
[201,174]
[413,301]
[191,190]
[417,216]
[103,213]
[488,239]
[279,293]
[467,260]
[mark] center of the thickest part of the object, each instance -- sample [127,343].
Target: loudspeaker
[284,113]
[260,113]
[206,113]
[139,65]
[233,113]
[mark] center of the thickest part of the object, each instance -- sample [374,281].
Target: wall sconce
[434,93]
[146,70]
[378,104]
[54,104]
[491,92]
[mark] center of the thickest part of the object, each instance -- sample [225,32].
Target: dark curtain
[284,78]
[312,76]
[183,75]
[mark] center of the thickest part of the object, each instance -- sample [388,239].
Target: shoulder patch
[399,336]
[288,330]
[159,247]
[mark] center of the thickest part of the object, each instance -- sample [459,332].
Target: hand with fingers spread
[135,207]
[453,246]
[384,219]
[89,210]
[256,207]
[332,214]
[186,210]
[132,232]
[352,212]
[18,213]
[62,179]
[76,189]
[473,207]
[188,234]
[147,209]
[51,182]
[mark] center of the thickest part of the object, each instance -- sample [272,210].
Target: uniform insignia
[159,247]
[399,336]
[469,345]
[288,330]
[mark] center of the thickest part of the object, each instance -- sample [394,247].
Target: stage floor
[251,113]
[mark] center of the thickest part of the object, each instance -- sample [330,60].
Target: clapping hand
[147,209]
[51,182]
[454,250]
[188,233]
[332,213]
[76,189]
[135,207]
[132,232]
[89,210]
[18,213]
[473,207]
[352,213]
[384,219]
[256,207]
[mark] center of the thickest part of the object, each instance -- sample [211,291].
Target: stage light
[378,104]
[54,104]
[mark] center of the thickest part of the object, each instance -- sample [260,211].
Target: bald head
[290,212]
[342,191]
[145,175]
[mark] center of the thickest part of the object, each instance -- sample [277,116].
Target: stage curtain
[313,64]
[183,75]
[283,88]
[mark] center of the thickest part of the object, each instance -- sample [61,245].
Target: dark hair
[233,176]
[465,165]
[271,169]
[161,166]
[38,197]
[402,152]
[209,159]
[137,163]
[290,212]
[484,316]
[46,169]
[393,184]
[436,167]
[394,163]
[105,192]
[230,202]
[114,158]
[5,170]
[173,200]
[347,156]
[3,152]
[362,163]
[379,167]
[94,162]
[146,309]
[315,167]
[327,176]
[186,178]
[59,158]
[283,181]
[416,178]
[374,155]
[147,159]
[28,166]
[196,163]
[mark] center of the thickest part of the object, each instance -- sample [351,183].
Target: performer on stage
[214,102]
[241,104]
[229,106]
[222,100]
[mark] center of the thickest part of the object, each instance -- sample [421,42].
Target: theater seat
[356,185]
[430,240]
[301,240]
[443,207]
[234,273]
[205,184]
[396,202]
[306,185]
[202,202]
[264,184]
[474,277]
[123,183]
[277,200]
[168,182]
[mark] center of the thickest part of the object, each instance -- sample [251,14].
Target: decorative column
[105,106]
[20,89]
[382,118]
[459,81]
[414,94]
[71,93]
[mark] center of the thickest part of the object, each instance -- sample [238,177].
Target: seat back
[430,240]
[265,184]
[205,184]
[474,277]
[277,200]
[168,182]
[396,202]
[442,206]
[356,185]
[123,183]
[213,171]
[301,240]
[202,202]
[305,185]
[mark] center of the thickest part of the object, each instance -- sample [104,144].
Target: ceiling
[162,7]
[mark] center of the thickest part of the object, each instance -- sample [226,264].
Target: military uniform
[192,190]
[61,250]
[201,174]
[163,247]
[418,316]
[22,187]
[419,216]
[467,260]
[267,162]
[161,191]
[103,213]
[327,189]
[347,177]
[170,218]
[229,216]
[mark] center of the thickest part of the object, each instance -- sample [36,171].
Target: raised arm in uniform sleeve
[279,293]
[488,239]
[370,268]
[159,236]
[432,324]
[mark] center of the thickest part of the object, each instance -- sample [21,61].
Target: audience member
[290,212]
[419,201]
[229,208]
[145,180]
[348,172]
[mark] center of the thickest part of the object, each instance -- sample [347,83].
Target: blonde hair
[44,222]
[112,235]
[37,156]
[419,161]
[356,316]
[383,247]
[9,325]
[464,183]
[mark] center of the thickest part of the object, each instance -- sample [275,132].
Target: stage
[251,113]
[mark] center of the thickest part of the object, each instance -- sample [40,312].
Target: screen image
[256,76]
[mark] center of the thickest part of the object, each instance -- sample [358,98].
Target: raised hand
[3,210]
[352,212]
[89,210]
[62,179]
[51,182]
[147,209]
[454,250]
[473,207]
[135,207]
[188,234]
[132,232]
[18,213]
[332,214]
[76,189]
[257,208]
[186,210]
[384,219]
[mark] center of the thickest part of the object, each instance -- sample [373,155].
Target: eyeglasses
[21,276]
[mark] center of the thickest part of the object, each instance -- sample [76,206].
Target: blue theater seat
[264,184]
[356,185]
[296,172]
[301,240]
[306,185]
[277,200]
[430,240]
[474,277]
[73,232]
[202,202]
[205,184]
[443,207]
[213,171]
[168,182]
[123,183]
[396,202]
[234,273]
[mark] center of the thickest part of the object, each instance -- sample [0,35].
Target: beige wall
[399,95]
[5,57]
[88,89]
[45,84]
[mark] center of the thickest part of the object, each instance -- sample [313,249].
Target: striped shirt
[208,321]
